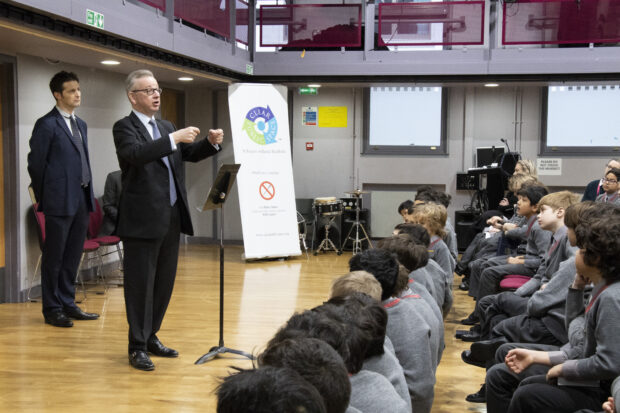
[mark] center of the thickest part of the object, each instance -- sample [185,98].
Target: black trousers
[501,382]
[64,243]
[497,307]
[150,267]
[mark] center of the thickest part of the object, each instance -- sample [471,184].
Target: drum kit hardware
[357,226]
[330,208]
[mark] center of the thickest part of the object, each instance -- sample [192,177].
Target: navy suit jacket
[55,166]
[145,193]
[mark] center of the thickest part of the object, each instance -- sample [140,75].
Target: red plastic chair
[94,226]
[513,281]
[89,246]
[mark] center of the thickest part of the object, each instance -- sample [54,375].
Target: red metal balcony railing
[561,21]
[431,23]
[214,16]
[311,25]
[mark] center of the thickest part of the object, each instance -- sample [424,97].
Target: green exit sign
[94,19]
[308,91]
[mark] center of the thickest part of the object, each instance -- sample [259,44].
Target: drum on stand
[327,208]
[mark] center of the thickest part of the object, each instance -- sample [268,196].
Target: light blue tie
[173,188]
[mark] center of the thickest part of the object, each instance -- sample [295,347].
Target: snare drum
[327,206]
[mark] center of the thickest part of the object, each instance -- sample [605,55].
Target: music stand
[215,200]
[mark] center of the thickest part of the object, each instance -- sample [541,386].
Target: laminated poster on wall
[332,116]
[309,115]
[261,144]
[549,166]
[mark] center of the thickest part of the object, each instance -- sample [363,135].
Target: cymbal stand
[358,226]
[327,244]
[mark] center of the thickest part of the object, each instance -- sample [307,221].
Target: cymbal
[357,192]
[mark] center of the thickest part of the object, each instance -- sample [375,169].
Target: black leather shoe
[58,319]
[464,286]
[485,350]
[479,397]
[77,314]
[470,320]
[467,357]
[471,336]
[141,361]
[155,347]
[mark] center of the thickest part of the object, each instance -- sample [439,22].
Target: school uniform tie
[173,188]
[77,139]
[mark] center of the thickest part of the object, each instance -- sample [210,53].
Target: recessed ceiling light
[491,85]
[110,62]
[186,79]
[314,85]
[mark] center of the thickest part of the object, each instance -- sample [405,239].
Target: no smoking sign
[266,190]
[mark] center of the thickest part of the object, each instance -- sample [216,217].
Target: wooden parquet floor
[85,368]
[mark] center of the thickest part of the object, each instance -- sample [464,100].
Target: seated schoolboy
[611,187]
[433,218]
[404,207]
[408,332]
[427,194]
[494,308]
[268,390]
[583,382]
[318,363]
[362,287]
[371,317]
[494,269]
[414,257]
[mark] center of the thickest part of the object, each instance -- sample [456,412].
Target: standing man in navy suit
[153,210]
[61,178]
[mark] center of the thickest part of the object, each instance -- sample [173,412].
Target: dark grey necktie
[77,139]
[173,188]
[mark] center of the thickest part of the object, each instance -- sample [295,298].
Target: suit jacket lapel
[63,125]
[143,132]
[164,133]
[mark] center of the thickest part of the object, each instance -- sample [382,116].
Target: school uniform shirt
[387,365]
[599,357]
[371,392]
[411,337]
[610,199]
[437,333]
[559,250]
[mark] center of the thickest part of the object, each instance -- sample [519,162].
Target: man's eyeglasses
[610,181]
[149,91]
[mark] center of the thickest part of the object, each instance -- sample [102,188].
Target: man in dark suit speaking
[60,173]
[153,210]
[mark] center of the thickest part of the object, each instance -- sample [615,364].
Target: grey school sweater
[599,358]
[421,290]
[387,365]
[424,277]
[443,282]
[411,337]
[549,304]
[450,239]
[373,393]
[559,250]
[439,251]
[437,333]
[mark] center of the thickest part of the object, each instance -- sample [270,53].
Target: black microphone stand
[217,196]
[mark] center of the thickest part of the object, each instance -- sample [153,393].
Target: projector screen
[405,117]
[583,116]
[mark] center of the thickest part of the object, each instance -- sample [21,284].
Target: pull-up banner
[262,145]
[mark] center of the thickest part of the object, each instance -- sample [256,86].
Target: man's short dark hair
[318,363]
[533,193]
[405,205]
[615,172]
[59,80]
[598,234]
[268,390]
[313,324]
[382,264]
[417,232]
[369,315]
[409,253]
